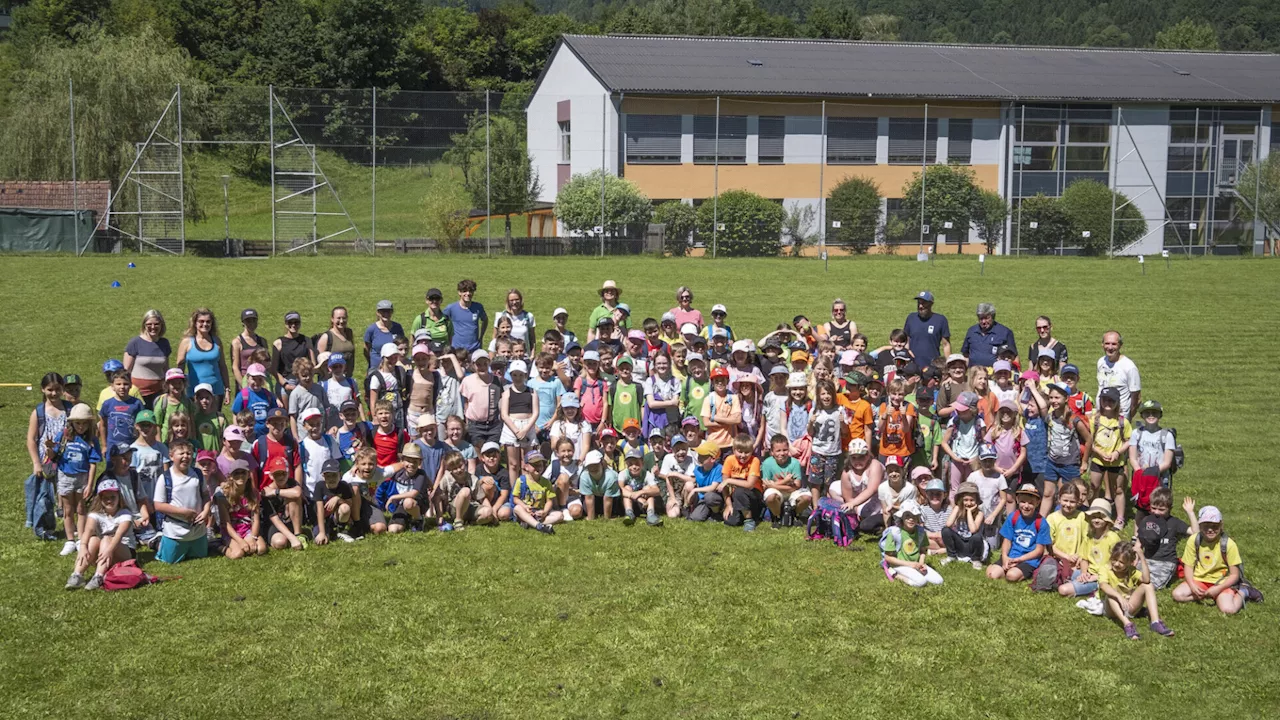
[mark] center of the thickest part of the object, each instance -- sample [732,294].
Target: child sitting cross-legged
[533,497]
[1024,538]
[1212,562]
[640,490]
[1125,585]
[903,547]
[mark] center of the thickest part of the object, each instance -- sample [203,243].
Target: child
[1025,537]
[337,503]
[1037,444]
[354,434]
[639,490]
[563,471]
[280,505]
[150,459]
[173,400]
[339,389]
[1151,455]
[598,486]
[533,497]
[185,503]
[454,429]
[1212,562]
[783,480]
[896,425]
[209,424]
[1095,549]
[181,428]
[316,449]
[386,383]
[401,495]
[895,491]
[591,389]
[902,549]
[742,473]
[861,416]
[1109,451]
[993,490]
[306,395]
[774,404]
[934,513]
[455,496]
[364,474]
[1002,385]
[1065,434]
[704,496]
[609,450]
[1010,442]
[257,397]
[953,386]
[118,412]
[109,368]
[519,410]
[388,439]
[449,375]
[1068,527]
[1126,585]
[241,523]
[108,537]
[696,386]
[825,423]
[1158,533]
[963,535]
[718,326]
[494,489]
[1079,401]
[550,391]
[928,449]
[278,443]
[676,471]
[561,318]
[963,437]
[78,454]
[72,386]
[567,425]
[625,397]
[244,420]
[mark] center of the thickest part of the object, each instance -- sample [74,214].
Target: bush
[1087,204]
[1053,227]
[988,217]
[679,220]
[951,195]
[578,204]
[855,202]
[752,224]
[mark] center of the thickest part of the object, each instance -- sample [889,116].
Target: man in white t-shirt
[1118,371]
[180,496]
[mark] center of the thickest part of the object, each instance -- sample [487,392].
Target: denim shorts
[1082,588]
[1054,472]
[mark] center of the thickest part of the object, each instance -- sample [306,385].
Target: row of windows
[655,139]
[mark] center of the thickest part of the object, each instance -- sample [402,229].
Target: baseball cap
[1060,388]
[421,349]
[1046,352]
[388,350]
[479,354]
[591,355]
[119,448]
[71,379]
[237,466]
[107,485]
[930,373]
[635,335]
[891,460]
[604,320]
[206,456]
[716,332]
[558,312]
[856,378]
[656,431]
[778,369]
[624,360]
[708,448]
[719,308]
[742,346]
[337,359]
[385,305]
[1110,393]
[1006,349]
[935,485]
[797,380]
[1009,404]
[1150,406]
[570,400]
[630,424]
[799,356]
[330,466]
[668,317]
[145,416]
[518,366]
[1027,489]
[987,451]
[232,433]
[694,357]
[533,456]
[925,296]
[112,365]
[678,439]
[203,387]
[689,421]
[490,447]
[908,508]
[957,357]
[635,453]
[174,374]
[572,346]
[435,294]
[720,372]
[901,355]
[909,369]
[595,457]
[858,446]
[276,413]
[1099,506]
[1001,366]
[349,405]
[688,329]
[607,432]
[1209,514]
[849,357]
[625,308]
[256,369]
[968,398]
[278,464]
[248,314]
[920,471]
[292,315]
[1069,369]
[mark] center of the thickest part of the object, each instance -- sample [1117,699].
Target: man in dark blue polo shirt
[928,334]
[985,339]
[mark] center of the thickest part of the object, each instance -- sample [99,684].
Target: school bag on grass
[127,576]
[827,521]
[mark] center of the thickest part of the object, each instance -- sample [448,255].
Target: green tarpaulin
[32,230]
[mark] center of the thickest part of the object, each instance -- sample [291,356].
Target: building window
[729,138]
[960,141]
[912,142]
[564,142]
[653,139]
[1055,145]
[772,138]
[851,141]
[1088,146]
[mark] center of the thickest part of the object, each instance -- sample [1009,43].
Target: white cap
[518,366]
[595,457]
[797,380]
[309,413]
[688,329]
[480,353]
[203,386]
[558,312]
[858,446]
[388,350]
[694,356]
[491,445]
[719,308]
[745,346]
[1209,514]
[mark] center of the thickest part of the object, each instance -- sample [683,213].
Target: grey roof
[825,68]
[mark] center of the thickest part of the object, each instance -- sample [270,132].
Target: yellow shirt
[1125,584]
[1098,551]
[1109,434]
[1068,532]
[1208,567]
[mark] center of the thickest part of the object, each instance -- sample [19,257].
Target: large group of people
[976,454]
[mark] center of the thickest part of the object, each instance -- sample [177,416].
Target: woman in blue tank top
[201,353]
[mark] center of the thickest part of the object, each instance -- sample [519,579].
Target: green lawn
[603,620]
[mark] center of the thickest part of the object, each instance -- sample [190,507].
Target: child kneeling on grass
[457,496]
[108,537]
[640,490]
[1125,585]
[903,547]
[1025,537]
[1159,533]
[533,497]
[1212,562]
[280,502]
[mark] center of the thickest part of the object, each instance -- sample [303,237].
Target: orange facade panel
[665,182]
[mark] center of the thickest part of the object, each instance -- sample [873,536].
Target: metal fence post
[75,186]
[182,185]
[604,136]
[822,190]
[1258,248]
[271,139]
[488,192]
[373,222]
[715,201]
[1021,134]
[924,179]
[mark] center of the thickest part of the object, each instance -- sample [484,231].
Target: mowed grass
[603,620]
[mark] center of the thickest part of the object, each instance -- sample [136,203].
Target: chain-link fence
[255,171]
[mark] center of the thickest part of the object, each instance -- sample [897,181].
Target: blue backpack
[828,521]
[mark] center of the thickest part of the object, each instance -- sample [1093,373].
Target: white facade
[593,123]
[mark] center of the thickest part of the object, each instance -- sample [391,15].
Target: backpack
[127,576]
[260,452]
[827,521]
[168,486]
[1243,586]
[1050,574]
[1141,485]
[1178,456]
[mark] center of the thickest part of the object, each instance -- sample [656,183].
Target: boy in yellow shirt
[1212,562]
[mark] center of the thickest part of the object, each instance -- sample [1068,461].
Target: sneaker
[95,583]
[1131,632]
[788,515]
[1091,605]
[445,526]
[75,582]
[653,519]
[777,524]
[154,541]
[68,548]
[345,537]
[523,525]
[966,559]
[1161,628]
[629,520]
[946,560]
[545,528]
[749,526]
[44,535]
[977,564]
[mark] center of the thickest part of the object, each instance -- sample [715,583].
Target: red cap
[277,464]
[608,432]
[720,372]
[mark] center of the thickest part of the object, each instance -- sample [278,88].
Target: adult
[338,339]
[470,321]
[382,331]
[858,490]
[840,329]
[245,344]
[523,326]
[146,357]
[986,338]
[437,325]
[1116,370]
[289,347]
[481,393]
[928,334]
[609,294]
[200,353]
[1046,341]
[684,311]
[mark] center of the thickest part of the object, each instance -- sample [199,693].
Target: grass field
[603,620]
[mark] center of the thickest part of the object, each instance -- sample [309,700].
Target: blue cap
[570,400]
[1069,368]
[624,308]
[925,295]
[987,452]
[337,359]
[676,439]
[119,448]
[112,365]
[571,347]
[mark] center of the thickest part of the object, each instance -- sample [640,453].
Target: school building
[687,117]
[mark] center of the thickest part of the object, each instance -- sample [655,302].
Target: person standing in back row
[928,334]
[438,326]
[1118,371]
[286,350]
[470,321]
[986,338]
[381,332]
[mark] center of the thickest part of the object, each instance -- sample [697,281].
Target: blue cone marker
[132,266]
[115,283]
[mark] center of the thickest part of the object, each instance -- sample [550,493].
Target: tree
[1043,226]
[578,204]
[1188,35]
[950,196]
[989,217]
[880,27]
[1088,205]
[1266,180]
[798,226]
[365,42]
[446,212]
[680,220]
[832,19]
[752,224]
[855,204]
[505,181]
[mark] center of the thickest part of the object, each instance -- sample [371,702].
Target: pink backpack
[127,576]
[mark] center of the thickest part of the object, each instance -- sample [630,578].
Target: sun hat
[412,450]
[81,412]
[968,488]
[908,508]
[797,380]
[610,285]
[1028,489]
[1099,506]
[957,357]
